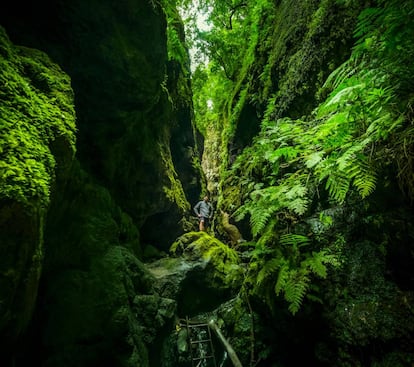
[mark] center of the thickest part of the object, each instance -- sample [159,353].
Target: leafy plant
[338,150]
[361,127]
[290,269]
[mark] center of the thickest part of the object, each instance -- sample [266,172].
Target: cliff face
[129,185]
[295,50]
[116,56]
[37,148]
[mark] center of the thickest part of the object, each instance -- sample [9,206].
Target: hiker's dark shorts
[205,220]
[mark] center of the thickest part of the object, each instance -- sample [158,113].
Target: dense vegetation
[314,123]
[304,115]
[363,126]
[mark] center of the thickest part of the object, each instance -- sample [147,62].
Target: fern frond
[259,218]
[295,289]
[342,73]
[296,199]
[287,152]
[268,235]
[345,95]
[313,159]
[282,134]
[337,185]
[366,21]
[240,213]
[356,166]
[317,261]
[297,190]
[282,278]
[330,259]
[314,298]
[315,264]
[334,131]
[348,158]
[269,268]
[365,178]
[299,205]
[290,239]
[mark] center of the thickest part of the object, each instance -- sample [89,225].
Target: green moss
[36,109]
[174,191]
[175,33]
[37,124]
[222,258]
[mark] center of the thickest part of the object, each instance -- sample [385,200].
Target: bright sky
[201,23]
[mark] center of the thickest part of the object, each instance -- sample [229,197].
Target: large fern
[317,260]
[294,240]
[295,288]
[265,202]
[259,216]
[282,277]
[289,269]
[363,124]
[269,269]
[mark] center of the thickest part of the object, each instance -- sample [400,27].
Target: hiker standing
[204,211]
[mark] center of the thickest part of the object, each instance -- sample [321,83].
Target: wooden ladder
[197,353]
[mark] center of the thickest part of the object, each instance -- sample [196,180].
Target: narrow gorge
[296,118]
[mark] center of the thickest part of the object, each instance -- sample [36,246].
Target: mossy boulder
[216,277]
[97,303]
[201,273]
[370,309]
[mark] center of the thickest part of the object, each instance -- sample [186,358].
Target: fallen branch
[230,351]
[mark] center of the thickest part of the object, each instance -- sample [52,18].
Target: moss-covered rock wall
[37,145]
[296,48]
[83,228]
[133,106]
